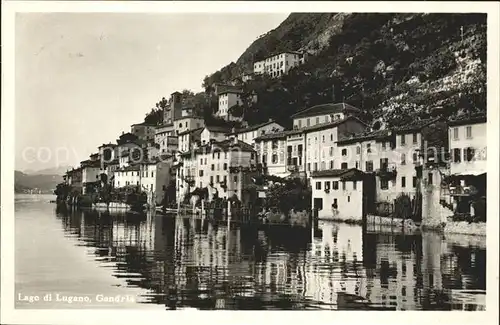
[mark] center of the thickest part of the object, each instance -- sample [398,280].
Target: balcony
[457,190]
[387,172]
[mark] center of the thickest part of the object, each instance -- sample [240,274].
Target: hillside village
[352,160]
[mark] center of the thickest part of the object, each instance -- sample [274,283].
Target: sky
[83,78]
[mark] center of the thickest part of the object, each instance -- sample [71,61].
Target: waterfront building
[278,64]
[74,179]
[343,194]
[306,149]
[249,134]
[228,97]
[223,168]
[391,154]
[467,143]
[90,172]
[144,131]
[467,179]
[127,176]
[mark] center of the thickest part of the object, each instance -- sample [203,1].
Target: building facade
[279,64]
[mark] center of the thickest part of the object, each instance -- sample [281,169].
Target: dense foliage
[394,66]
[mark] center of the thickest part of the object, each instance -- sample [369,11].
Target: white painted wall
[458,140]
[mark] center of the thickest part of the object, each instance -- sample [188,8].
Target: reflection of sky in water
[181,263]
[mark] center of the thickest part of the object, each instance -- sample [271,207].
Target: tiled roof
[144,124]
[222,89]
[253,127]
[415,125]
[365,136]
[337,173]
[220,129]
[129,168]
[194,132]
[468,119]
[326,109]
[308,129]
[226,145]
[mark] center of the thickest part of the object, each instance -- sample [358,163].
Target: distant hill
[60,170]
[45,183]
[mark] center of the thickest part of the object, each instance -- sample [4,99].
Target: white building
[323,113]
[164,136]
[187,138]
[467,143]
[228,97]
[304,150]
[249,134]
[127,176]
[213,133]
[278,64]
[187,123]
[341,194]
[217,166]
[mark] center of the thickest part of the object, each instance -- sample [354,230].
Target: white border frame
[9,315]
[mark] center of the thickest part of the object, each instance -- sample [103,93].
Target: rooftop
[317,127]
[253,127]
[144,124]
[220,129]
[416,125]
[366,136]
[468,119]
[226,145]
[222,89]
[323,109]
[344,174]
[194,132]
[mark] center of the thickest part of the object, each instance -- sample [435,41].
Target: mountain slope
[396,67]
[45,183]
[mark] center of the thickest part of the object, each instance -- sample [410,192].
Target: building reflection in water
[183,263]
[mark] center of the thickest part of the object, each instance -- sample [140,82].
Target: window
[152,174]
[201,161]
[469,154]
[274,158]
[415,157]
[383,146]
[235,178]
[218,155]
[456,155]
[211,179]
[468,132]
[331,136]
[414,181]
[343,186]
[300,124]
[358,150]
[348,199]
[455,133]
[309,166]
[317,120]
[331,164]
[264,159]
[217,178]
[344,165]
[318,185]
[224,167]
[354,185]
[403,159]
[331,151]
[368,148]
[403,140]
[308,122]
[369,166]
[403,181]
[323,139]
[335,185]
[429,179]
[212,167]
[384,184]
[415,138]
[315,166]
[357,164]
[225,178]
[344,152]
[327,185]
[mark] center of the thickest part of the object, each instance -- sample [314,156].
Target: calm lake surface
[167,262]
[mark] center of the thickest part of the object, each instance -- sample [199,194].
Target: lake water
[168,262]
